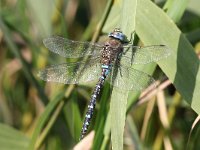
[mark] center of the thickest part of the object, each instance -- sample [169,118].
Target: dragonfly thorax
[111,49]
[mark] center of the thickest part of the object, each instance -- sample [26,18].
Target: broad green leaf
[182,67]
[119,98]
[11,139]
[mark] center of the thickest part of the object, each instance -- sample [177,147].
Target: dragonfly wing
[72,73]
[128,78]
[71,49]
[144,55]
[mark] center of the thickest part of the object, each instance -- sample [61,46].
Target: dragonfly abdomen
[91,106]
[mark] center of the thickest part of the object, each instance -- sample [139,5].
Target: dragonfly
[114,59]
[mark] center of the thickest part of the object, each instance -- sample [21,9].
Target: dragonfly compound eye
[119,36]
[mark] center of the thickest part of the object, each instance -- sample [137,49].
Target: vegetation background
[39,115]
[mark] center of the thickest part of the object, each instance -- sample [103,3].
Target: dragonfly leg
[119,66]
[133,32]
[132,53]
[117,63]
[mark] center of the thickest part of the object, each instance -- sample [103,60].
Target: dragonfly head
[117,34]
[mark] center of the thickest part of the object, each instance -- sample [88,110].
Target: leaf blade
[182,67]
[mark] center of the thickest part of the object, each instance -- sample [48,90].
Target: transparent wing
[72,73]
[127,78]
[71,49]
[144,55]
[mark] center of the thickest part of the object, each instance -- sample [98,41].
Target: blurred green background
[39,115]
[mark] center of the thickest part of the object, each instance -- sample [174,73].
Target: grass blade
[119,99]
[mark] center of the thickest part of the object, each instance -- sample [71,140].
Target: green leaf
[182,67]
[11,139]
[119,98]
